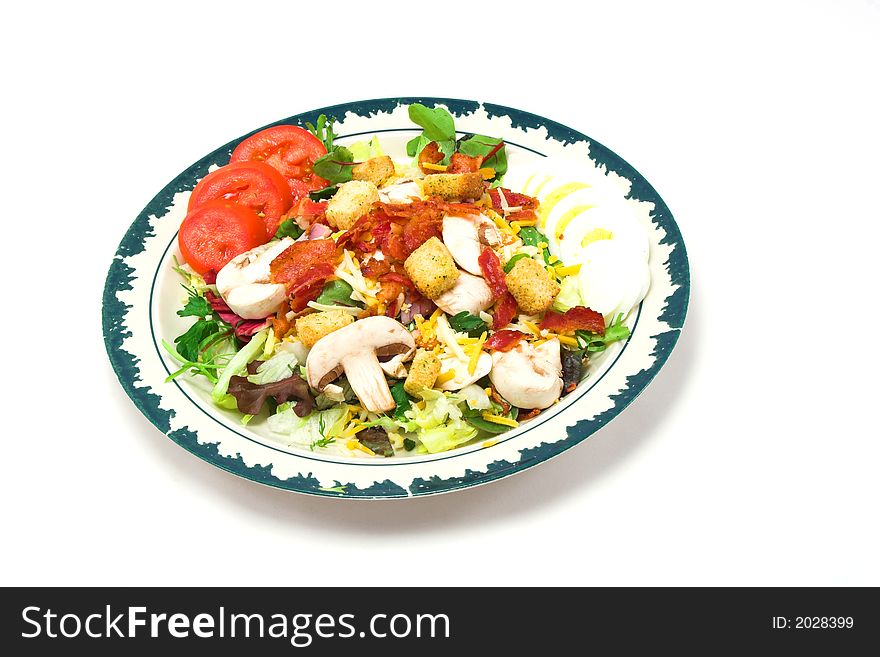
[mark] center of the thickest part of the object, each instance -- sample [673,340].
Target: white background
[752,458]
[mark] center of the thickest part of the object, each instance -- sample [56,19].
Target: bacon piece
[293,264]
[399,278]
[505,311]
[308,210]
[389,237]
[361,228]
[461,208]
[393,286]
[280,324]
[513,200]
[523,414]
[504,340]
[461,163]
[310,286]
[498,399]
[577,318]
[420,229]
[493,272]
[430,154]
[523,215]
[375,268]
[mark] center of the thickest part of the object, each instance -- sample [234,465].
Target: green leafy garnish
[483,146]
[190,344]
[409,444]
[324,440]
[508,267]
[196,305]
[336,165]
[323,194]
[533,237]
[323,130]
[289,228]
[337,293]
[401,398]
[207,367]
[475,418]
[437,124]
[592,342]
[321,442]
[464,322]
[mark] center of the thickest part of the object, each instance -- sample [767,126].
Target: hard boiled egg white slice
[613,279]
[574,226]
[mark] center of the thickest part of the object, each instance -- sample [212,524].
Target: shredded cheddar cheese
[532,327]
[434,167]
[444,377]
[475,357]
[497,419]
[568,271]
[354,444]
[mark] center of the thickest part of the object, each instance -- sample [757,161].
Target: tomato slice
[291,151]
[214,233]
[255,185]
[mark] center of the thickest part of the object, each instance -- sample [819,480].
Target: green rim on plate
[140,254]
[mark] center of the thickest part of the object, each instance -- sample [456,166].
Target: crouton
[353,200]
[311,328]
[431,268]
[422,372]
[454,186]
[375,170]
[531,286]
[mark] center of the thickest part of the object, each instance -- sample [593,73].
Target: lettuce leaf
[318,428]
[279,367]
[238,365]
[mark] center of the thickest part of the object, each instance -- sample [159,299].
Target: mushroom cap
[379,335]
[470,294]
[461,237]
[527,376]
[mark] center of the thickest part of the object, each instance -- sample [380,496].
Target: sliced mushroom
[470,293]
[466,237]
[394,366]
[461,237]
[355,350]
[462,376]
[527,376]
[244,281]
[405,191]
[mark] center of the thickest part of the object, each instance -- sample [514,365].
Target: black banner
[434,621]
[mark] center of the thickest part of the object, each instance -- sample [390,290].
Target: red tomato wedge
[252,184]
[214,233]
[291,151]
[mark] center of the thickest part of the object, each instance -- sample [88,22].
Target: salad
[378,305]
